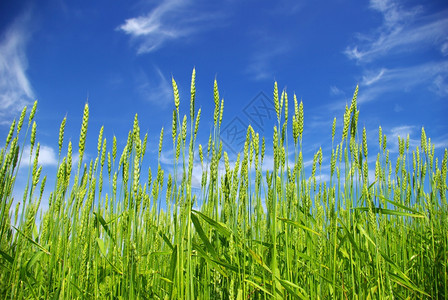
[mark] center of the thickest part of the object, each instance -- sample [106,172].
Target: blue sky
[121,56]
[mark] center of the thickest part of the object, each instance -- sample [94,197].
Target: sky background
[120,56]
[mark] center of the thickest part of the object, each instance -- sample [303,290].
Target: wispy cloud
[371,78]
[375,84]
[403,30]
[15,88]
[260,66]
[440,85]
[170,20]
[432,75]
[155,89]
[335,91]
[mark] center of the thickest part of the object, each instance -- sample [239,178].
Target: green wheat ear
[196,124]
[20,123]
[221,112]
[83,134]
[333,129]
[423,140]
[193,93]
[176,94]
[33,112]
[100,139]
[300,119]
[174,126]
[346,122]
[216,100]
[364,142]
[61,134]
[33,136]
[201,155]
[160,141]
[286,107]
[380,137]
[114,148]
[276,101]
[295,129]
[10,133]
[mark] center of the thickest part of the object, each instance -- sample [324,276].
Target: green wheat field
[247,234]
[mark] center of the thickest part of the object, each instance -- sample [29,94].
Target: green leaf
[33,260]
[32,241]
[386,211]
[418,214]
[220,227]
[167,241]
[350,237]
[405,283]
[173,263]
[299,225]
[104,225]
[202,235]
[211,261]
[293,289]
[7,256]
[259,287]
[100,244]
[400,277]
[362,230]
[155,253]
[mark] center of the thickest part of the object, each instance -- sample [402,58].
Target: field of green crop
[248,234]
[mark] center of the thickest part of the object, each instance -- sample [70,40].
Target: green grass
[281,234]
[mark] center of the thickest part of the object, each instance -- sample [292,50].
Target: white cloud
[15,88]
[170,20]
[47,156]
[403,30]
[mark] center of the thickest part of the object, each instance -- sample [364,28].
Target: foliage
[247,234]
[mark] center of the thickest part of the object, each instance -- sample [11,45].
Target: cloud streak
[170,20]
[260,65]
[416,37]
[15,89]
[403,30]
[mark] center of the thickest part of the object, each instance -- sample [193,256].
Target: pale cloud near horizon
[15,88]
